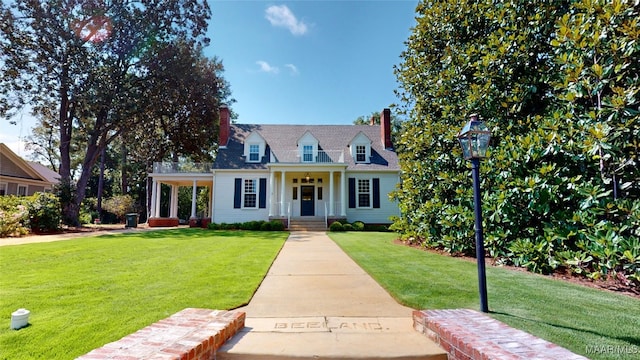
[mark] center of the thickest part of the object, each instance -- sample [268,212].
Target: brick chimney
[372,121]
[385,128]
[225,124]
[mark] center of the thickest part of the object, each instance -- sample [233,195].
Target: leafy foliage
[557,82]
[14,217]
[85,68]
[44,212]
[119,205]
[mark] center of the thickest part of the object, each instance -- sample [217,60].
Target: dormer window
[307,153]
[361,153]
[254,153]
[360,149]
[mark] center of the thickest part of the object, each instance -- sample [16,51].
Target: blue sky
[300,62]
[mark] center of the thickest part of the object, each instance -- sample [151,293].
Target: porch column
[282,192]
[213,197]
[210,210]
[272,195]
[343,193]
[152,211]
[193,199]
[173,204]
[156,209]
[331,204]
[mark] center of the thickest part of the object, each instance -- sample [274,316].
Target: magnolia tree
[557,82]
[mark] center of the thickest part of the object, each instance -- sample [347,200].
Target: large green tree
[86,59]
[557,82]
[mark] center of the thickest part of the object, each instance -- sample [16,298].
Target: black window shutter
[352,193]
[376,193]
[237,194]
[263,193]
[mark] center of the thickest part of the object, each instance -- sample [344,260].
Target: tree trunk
[65,125]
[103,156]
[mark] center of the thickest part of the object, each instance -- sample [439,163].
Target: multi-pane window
[364,193]
[3,189]
[319,192]
[22,190]
[307,153]
[361,153]
[250,193]
[254,152]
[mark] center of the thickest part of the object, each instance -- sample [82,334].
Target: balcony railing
[175,168]
[321,157]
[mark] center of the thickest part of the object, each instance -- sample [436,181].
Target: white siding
[387,208]
[223,210]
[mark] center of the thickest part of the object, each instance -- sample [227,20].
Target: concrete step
[329,338]
[307,225]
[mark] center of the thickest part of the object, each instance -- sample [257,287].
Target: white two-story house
[269,172]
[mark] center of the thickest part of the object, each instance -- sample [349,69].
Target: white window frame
[246,193]
[369,185]
[3,188]
[363,153]
[307,150]
[25,187]
[256,152]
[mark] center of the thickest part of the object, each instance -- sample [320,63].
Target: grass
[87,292]
[573,316]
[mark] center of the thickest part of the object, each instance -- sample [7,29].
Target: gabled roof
[282,138]
[48,174]
[12,165]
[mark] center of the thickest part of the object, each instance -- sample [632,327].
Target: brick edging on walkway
[470,335]
[189,334]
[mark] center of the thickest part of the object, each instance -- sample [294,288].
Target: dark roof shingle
[281,139]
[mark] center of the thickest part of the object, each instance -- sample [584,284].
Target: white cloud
[293,69]
[281,16]
[265,67]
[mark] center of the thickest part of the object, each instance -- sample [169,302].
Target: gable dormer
[307,147]
[360,148]
[254,148]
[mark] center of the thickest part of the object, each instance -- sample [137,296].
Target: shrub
[374,227]
[265,226]
[44,212]
[119,205]
[277,225]
[14,216]
[336,226]
[358,226]
[347,227]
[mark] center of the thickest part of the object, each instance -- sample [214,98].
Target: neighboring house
[267,172]
[23,178]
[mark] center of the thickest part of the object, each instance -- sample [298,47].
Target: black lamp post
[474,140]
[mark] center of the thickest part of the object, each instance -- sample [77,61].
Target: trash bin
[132,220]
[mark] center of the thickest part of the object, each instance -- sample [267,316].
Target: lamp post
[474,140]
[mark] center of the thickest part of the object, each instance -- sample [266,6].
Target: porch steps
[307,225]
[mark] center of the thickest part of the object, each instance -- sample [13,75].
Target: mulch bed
[611,284]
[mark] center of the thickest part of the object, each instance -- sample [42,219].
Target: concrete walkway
[316,303]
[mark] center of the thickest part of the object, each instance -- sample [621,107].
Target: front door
[307,205]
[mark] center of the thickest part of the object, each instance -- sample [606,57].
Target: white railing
[177,167]
[321,157]
[326,215]
[288,214]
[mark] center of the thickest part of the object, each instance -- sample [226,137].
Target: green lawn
[86,292]
[569,315]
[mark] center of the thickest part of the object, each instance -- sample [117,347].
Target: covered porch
[307,191]
[175,176]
